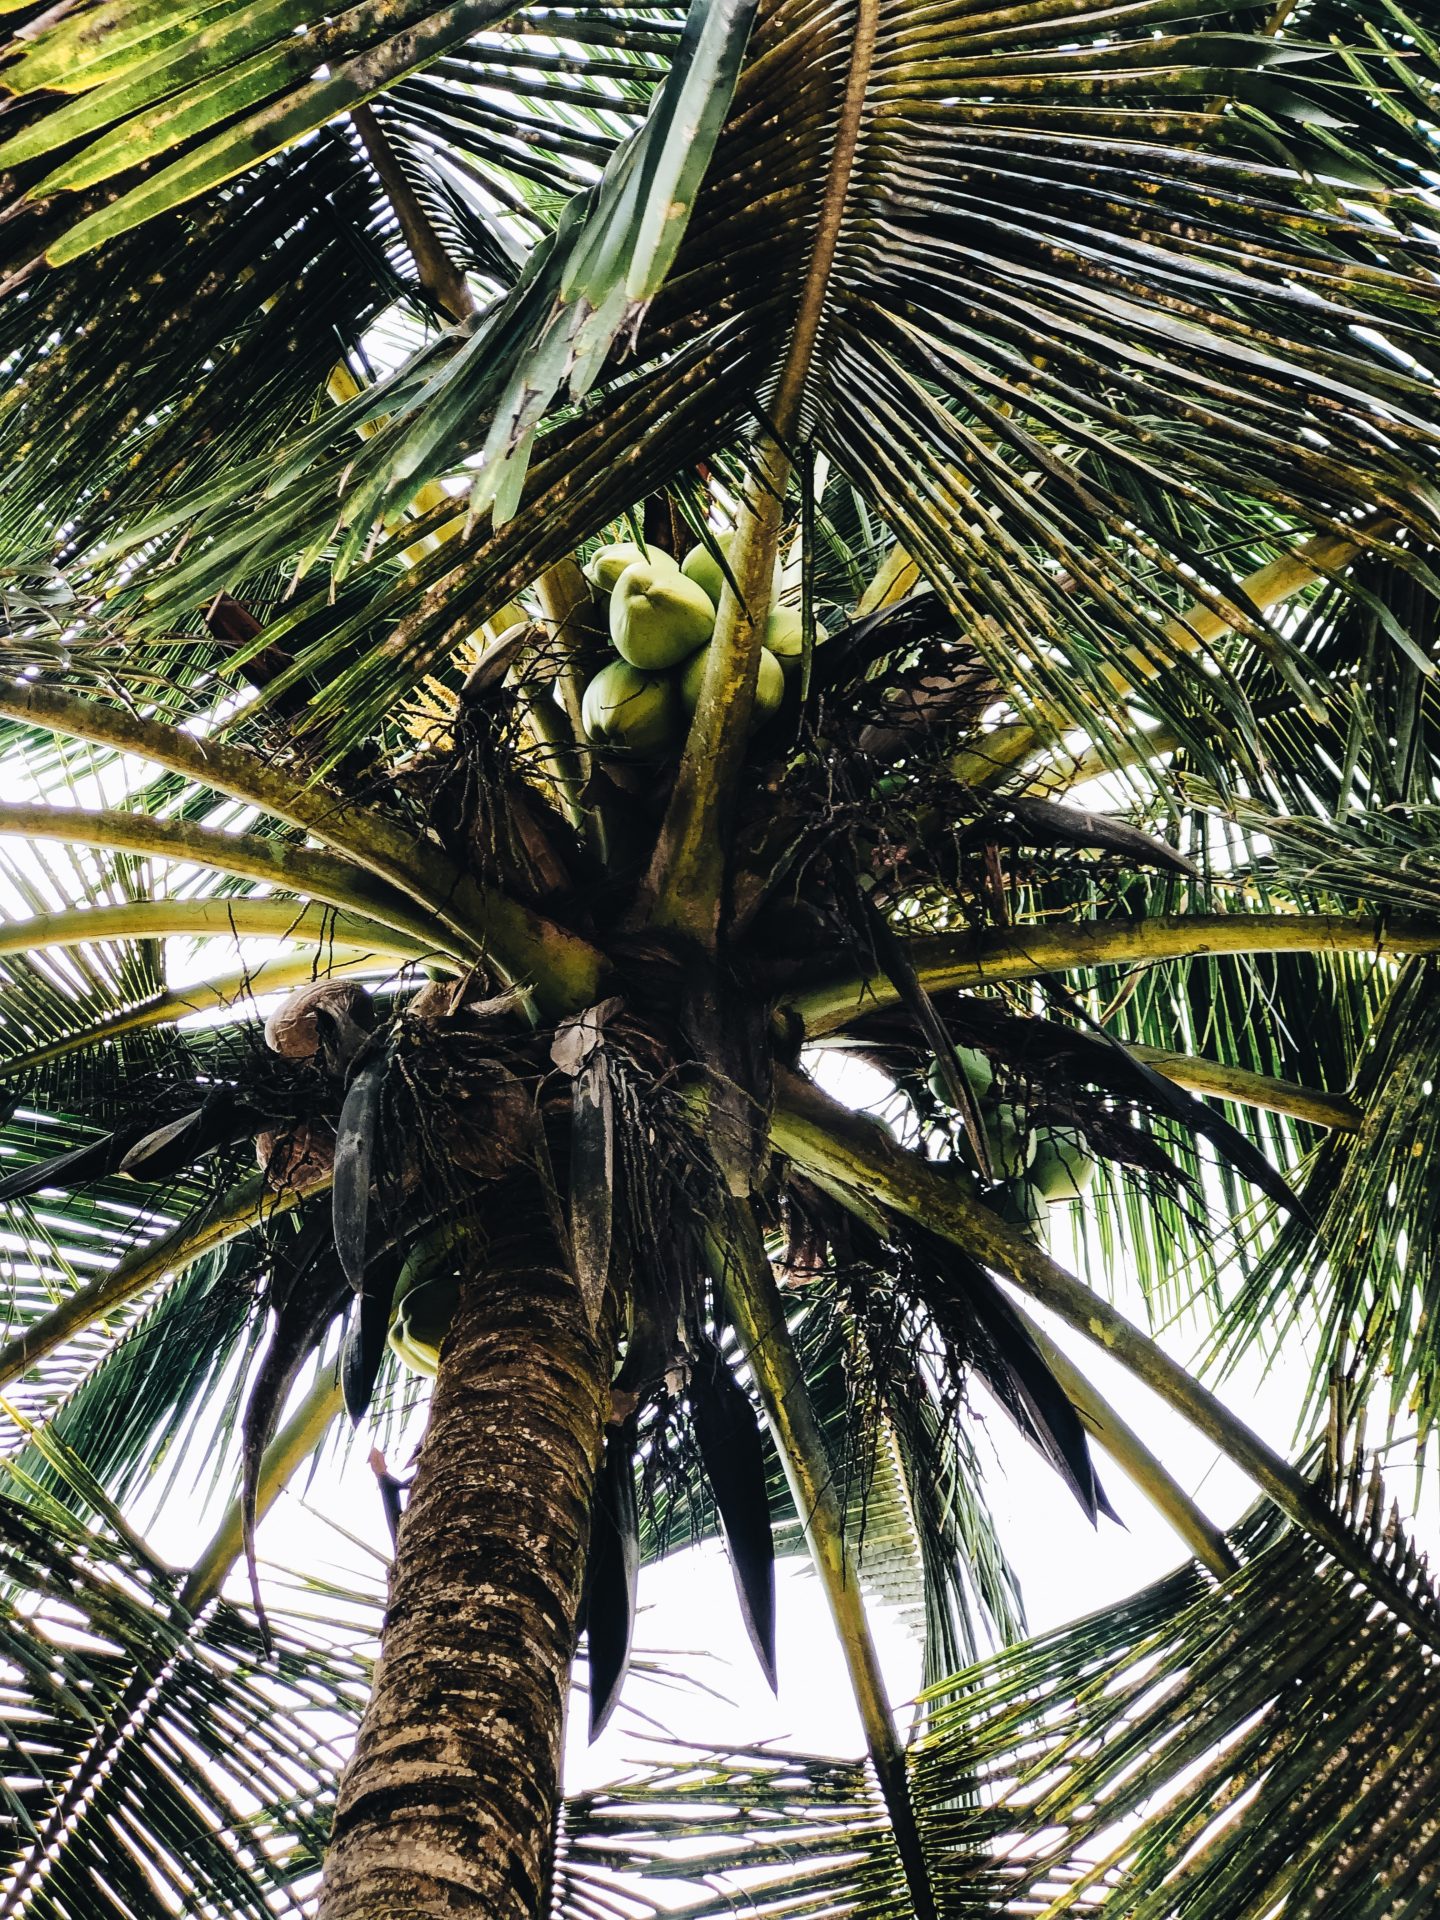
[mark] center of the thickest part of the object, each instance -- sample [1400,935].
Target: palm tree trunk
[448,1804]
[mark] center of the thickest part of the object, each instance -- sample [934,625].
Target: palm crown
[1041,404]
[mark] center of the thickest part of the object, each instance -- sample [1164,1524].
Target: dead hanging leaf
[355,1141]
[221,1120]
[592,1180]
[612,1575]
[367,1337]
[732,1452]
[96,1160]
[1045,823]
[578,1050]
[307,1299]
[576,1039]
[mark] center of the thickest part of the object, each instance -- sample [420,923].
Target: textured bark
[448,1804]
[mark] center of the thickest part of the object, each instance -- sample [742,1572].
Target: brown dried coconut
[297,1158]
[291,1029]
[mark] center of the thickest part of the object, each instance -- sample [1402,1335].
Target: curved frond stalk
[232,1214]
[561,968]
[265,977]
[759,1313]
[857,1158]
[896,576]
[215,919]
[1336,1111]
[1264,1748]
[438,274]
[275,863]
[283,1458]
[1087,762]
[1199,626]
[1142,1467]
[970,960]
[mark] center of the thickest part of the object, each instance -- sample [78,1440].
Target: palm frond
[153,1761]
[1365,1286]
[1259,1748]
[1223,343]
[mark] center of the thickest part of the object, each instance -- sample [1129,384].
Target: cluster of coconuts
[662,617]
[1040,1167]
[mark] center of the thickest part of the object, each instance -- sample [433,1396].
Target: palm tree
[1052,387]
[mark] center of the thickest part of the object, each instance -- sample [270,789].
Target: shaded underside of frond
[152,1763]
[1268,1747]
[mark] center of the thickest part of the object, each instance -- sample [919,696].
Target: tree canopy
[426,906]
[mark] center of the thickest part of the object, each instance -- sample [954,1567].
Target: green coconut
[606,564]
[429,1308]
[1011,1144]
[630,711]
[701,566]
[1063,1167]
[657,617]
[1023,1205]
[785,636]
[416,1355]
[975,1065]
[769,684]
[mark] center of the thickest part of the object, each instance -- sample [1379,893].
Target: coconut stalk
[562,969]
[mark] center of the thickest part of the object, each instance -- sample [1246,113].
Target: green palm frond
[1253,1749]
[1365,1287]
[1161,380]
[154,1762]
[142,1410]
[275,276]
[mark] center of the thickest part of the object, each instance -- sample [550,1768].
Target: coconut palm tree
[1041,403]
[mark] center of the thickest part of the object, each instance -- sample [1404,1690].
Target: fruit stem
[687,871]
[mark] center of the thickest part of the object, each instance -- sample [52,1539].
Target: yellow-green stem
[858,1157]
[970,960]
[1143,1468]
[266,976]
[275,863]
[758,1313]
[1334,1110]
[213,920]
[687,873]
[233,1214]
[285,1455]
[563,970]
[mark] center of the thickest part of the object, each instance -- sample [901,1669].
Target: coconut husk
[292,1030]
[297,1157]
